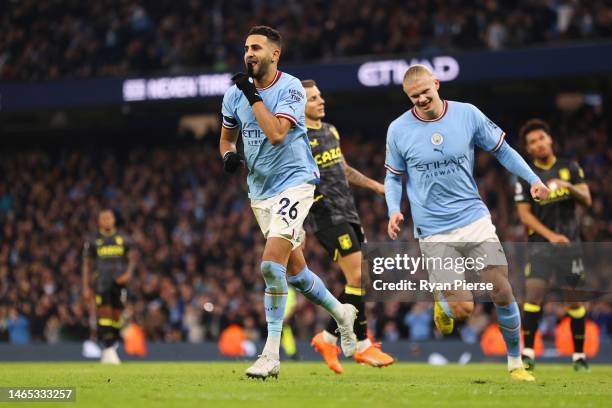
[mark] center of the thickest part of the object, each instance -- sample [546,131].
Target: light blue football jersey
[273,169]
[438,158]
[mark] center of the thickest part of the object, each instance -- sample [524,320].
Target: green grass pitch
[311,385]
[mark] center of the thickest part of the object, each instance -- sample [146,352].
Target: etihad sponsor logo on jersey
[329,157]
[253,137]
[110,250]
[442,167]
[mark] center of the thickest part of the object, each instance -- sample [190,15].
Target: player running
[115,263]
[433,145]
[336,224]
[267,107]
[552,220]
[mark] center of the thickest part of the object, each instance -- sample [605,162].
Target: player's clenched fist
[394,225]
[231,161]
[245,83]
[539,191]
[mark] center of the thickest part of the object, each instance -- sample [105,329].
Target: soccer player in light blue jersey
[266,108]
[433,144]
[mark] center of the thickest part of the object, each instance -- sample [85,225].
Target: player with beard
[335,222]
[553,221]
[266,108]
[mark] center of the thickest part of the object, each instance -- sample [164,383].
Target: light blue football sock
[275,297]
[313,288]
[445,306]
[509,320]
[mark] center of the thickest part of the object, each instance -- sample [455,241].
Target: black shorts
[342,239]
[110,294]
[557,267]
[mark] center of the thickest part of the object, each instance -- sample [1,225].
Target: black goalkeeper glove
[245,83]
[231,162]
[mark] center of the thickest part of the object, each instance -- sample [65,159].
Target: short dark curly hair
[268,32]
[530,126]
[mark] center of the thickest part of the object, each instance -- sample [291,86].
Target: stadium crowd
[199,243]
[48,39]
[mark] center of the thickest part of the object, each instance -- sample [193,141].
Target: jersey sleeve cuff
[392,210]
[287,116]
[393,171]
[499,144]
[533,179]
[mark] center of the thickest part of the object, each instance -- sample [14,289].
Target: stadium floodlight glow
[181,87]
[390,72]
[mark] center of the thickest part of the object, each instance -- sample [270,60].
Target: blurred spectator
[474,326]
[48,39]
[201,246]
[17,327]
[601,313]
[419,321]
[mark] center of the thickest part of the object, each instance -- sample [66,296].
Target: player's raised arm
[275,128]
[261,55]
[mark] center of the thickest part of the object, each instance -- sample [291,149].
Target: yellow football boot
[443,322]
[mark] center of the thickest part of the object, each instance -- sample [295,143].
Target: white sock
[362,345]
[338,313]
[329,338]
[514,363]
[578,356]
[529,353]
[272,347]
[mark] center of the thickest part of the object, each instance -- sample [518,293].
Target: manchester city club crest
[437,139]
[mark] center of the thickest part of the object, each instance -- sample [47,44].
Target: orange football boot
[374,356]
[328,351]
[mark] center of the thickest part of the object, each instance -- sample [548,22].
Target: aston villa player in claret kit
[336,225]
[552,220]
[115,260]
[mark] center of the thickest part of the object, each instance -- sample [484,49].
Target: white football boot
[109,356]
[348,340]
[264,367]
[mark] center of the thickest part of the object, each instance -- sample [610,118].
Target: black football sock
[355,296]
[531,319]
[577,325]
[106,332]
